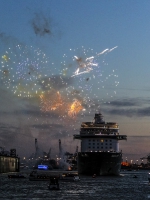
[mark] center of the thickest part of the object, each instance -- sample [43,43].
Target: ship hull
[99,163]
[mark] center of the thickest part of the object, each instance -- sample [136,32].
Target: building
[9,161]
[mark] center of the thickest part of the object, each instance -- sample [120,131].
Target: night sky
[62,61]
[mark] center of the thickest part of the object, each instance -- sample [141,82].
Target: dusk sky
[64,60]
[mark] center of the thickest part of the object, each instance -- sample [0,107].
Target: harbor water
[123,187]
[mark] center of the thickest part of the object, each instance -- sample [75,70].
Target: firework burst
[22,68]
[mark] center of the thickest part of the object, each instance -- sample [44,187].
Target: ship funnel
[98,118]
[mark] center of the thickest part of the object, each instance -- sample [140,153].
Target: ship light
[42,167]
[69,168]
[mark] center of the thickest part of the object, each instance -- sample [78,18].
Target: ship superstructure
[99,147]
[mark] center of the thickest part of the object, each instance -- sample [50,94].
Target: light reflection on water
[122,187]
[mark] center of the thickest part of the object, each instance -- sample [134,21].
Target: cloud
[132,107]
[9,41]
[8,134]
[46,126]
[5,38]
[41,24]
[145,112]
[125,103]
[123,112]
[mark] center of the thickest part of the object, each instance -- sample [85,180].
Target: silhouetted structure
[9,162]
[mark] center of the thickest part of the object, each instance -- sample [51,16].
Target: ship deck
[118,137]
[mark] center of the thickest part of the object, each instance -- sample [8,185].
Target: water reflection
[122,187]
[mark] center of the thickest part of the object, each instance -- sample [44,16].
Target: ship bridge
[98,136]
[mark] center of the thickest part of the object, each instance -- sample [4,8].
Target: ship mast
[36,148]
[60,148]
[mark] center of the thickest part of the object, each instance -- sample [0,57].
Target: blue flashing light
[42,167]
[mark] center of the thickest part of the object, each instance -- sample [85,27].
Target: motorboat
[76,178]
[134,176]
[94,176]
[35,176]
[16,176]
[54,184]
[149,177]
[41,176]
[69,177]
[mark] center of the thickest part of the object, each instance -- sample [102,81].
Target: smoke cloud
[41,25]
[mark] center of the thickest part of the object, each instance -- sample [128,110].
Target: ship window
[98,147]
[89,140]
[106,143]
[110,140]
[101,147]
[110,144]
[106,140]
[102,140]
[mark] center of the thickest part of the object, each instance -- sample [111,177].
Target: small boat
[94,176]
[53,185]
[134,176]
[76,178]
[38,176]
[35,176]
[16,176]
[69,177]
[149,177]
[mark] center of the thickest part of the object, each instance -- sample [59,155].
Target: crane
[147,158]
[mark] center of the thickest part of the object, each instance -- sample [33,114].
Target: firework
[80,83]
[51,101]
[5,57]
[22,68]
[84,77]
[92,78]
[75,108]
[87,63]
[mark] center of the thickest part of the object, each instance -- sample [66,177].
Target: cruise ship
[100,153]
